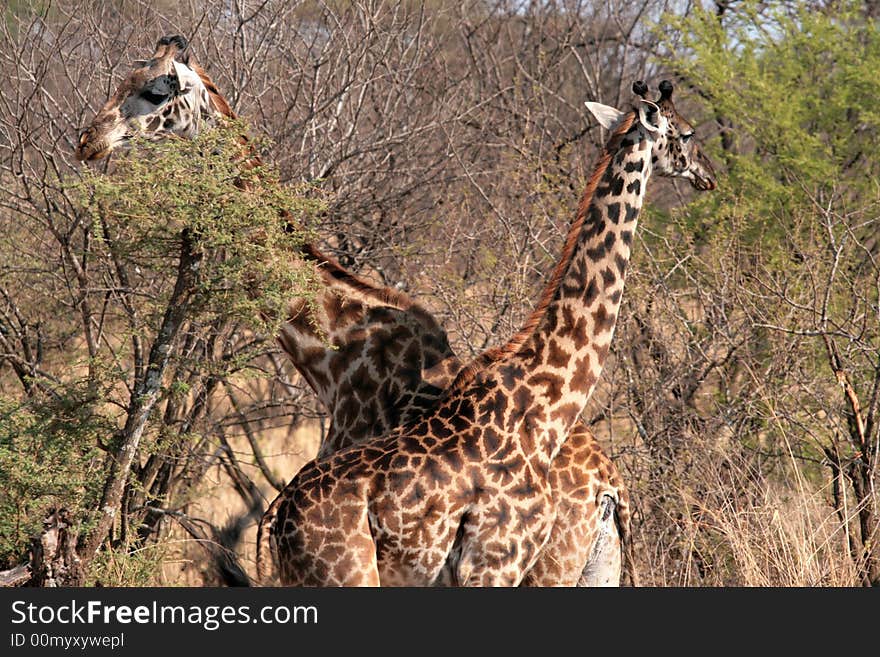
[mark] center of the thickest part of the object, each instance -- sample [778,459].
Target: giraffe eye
[686,138]
[160,89]
[153,97]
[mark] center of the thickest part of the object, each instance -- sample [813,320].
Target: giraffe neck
[373,356]
[554,370]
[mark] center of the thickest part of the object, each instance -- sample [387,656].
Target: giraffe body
[376,359]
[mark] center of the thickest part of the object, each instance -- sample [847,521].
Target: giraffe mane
[384,295]
[495,354]
[220,102]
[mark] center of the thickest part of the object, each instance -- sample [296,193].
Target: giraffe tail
[623,516]
[264,542]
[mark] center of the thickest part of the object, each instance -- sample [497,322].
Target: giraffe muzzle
[101,138]
[92,151]
[703,174]
[90,148]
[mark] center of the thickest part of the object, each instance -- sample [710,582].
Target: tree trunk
[142,402]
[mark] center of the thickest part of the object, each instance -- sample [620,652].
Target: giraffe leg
[325,546]
[604,564]
[447,576]
[351,562]
[490,556]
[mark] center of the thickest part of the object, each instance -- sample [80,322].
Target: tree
[180,265]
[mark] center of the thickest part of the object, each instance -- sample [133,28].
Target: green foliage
[796,90]
[48,457]
[794,220]
[799,90]
[246,224]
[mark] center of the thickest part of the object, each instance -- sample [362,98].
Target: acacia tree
[178,276]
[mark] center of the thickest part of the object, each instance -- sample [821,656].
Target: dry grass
[185,562]
[727,526]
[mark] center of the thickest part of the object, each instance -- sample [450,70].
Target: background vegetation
[449,142]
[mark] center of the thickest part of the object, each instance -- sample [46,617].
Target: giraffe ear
[608,117]
[651,117]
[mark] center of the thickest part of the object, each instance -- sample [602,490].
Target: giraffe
[470,480]
[376,359]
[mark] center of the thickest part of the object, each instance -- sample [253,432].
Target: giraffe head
[675,152]
[164,95]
